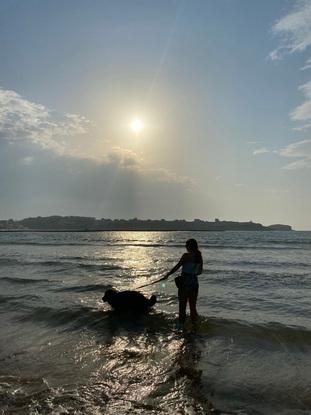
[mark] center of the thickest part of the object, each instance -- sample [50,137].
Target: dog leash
[150,283]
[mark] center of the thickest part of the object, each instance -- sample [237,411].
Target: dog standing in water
[129,301]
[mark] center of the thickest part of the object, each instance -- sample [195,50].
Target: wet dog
[129,301]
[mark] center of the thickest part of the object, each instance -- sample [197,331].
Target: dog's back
[129,300]
[152,300]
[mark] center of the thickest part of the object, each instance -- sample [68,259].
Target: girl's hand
[165,277]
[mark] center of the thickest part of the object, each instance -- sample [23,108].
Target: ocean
[63,351]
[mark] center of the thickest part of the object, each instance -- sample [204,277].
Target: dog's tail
[152,300]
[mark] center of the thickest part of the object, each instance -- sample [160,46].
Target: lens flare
[137,125]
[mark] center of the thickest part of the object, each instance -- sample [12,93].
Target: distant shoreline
[119,230]
[140,230]
[91,224]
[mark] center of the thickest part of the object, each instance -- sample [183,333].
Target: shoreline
[145,230]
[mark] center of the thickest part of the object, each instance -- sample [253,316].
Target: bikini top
[192,268]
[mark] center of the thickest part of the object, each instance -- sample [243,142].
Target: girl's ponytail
[192,245]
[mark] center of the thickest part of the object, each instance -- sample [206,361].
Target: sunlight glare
[137,125]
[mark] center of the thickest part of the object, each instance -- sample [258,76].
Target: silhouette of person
[187,283]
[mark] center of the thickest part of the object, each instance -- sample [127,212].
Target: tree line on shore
[83,223]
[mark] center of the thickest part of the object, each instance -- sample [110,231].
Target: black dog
[129,301]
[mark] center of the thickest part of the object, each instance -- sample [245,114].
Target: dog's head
[109,295]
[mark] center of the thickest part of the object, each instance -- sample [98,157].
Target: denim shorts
[188,282]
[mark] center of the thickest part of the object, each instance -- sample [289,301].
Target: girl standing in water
[187,283]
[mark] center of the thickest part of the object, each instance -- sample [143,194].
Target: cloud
[27,160]
[120,186]
[275,55]
[300,150]
[262,150]
[307,65]
[47,161]
[127,159]
[276,191]
[165,175]
[294,30]
[23,120]
[123,157]
[299,164]
[303,111]
[303,127]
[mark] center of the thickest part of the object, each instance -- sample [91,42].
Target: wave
[59,263]
[90,243]
[88,258]
[277,245]
[273,332]
[100,267]
[102,320]
[9,261]
[41,243]
[85,288]
[78,317]
[232,268]
[252,274]
[212,266]
[16,280]
[288,242]
[4,299]
[15,261]
[261,263]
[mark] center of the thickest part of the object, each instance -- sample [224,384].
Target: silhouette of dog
[129,301]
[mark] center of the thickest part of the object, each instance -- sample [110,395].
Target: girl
[187,283]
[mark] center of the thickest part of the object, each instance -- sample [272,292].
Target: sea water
[62,351]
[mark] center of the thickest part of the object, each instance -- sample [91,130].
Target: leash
[150,283]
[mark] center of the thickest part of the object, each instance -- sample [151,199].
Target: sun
[137,125]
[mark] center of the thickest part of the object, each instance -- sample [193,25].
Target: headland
[87,224]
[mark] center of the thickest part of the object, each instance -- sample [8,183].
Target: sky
[156,109]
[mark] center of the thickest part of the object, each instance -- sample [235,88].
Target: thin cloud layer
[23,120]
[262,150]
[294,30]
[42,162]
[123,157]
[59,184]
[303,111]
[307,65]
[300,150]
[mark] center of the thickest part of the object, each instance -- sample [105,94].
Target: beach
[63,351]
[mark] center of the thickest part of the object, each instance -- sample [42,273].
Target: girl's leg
[193,305]
[182,297]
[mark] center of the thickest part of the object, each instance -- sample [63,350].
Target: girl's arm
[175,268]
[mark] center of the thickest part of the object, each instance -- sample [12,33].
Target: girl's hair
[192,245]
